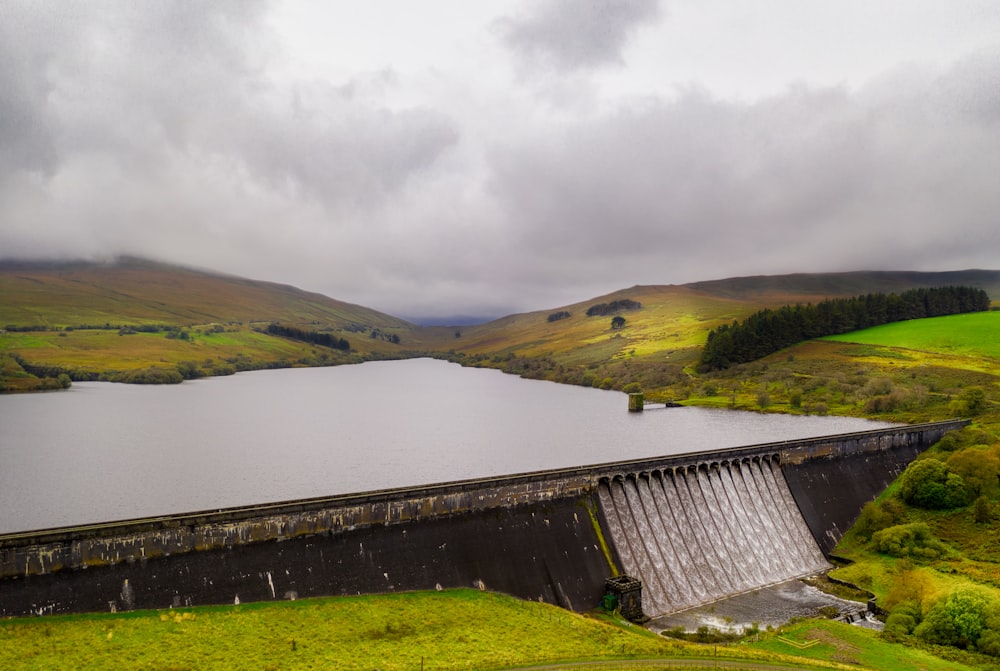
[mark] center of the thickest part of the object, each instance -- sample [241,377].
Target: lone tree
[618,322]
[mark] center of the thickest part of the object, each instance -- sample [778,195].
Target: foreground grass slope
[463,629]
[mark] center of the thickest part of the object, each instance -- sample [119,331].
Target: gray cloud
[812,179]
[161,133]
[571,35]
[25,129]
[184,132]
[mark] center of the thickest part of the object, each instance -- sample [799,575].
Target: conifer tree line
[768,331]
[314,337]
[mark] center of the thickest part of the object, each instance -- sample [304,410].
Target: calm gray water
[103,451]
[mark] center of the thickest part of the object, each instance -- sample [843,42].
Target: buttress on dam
[693,528]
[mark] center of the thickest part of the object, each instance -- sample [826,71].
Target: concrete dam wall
[554,536]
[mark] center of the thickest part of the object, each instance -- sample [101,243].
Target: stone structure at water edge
[691,528]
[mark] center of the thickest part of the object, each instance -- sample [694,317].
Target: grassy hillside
[68,318]
[659,343]
[75,310]
[134,291]
[452,630]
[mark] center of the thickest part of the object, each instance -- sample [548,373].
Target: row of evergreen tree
[314,337]
[768,331]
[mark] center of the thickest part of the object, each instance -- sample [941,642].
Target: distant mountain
[138,291]
[817,286]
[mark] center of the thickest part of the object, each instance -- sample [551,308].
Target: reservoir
[103,451]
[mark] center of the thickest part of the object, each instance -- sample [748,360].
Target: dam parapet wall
[48,551]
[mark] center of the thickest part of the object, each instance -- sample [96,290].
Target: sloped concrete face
[547,552]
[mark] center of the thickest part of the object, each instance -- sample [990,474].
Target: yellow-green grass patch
[463,629]
[102,350]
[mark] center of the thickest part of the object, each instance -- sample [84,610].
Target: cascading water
[697,534]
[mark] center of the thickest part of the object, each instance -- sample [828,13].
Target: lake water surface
[103,451]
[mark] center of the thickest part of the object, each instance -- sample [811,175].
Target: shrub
[974,399]
[978,467]
[910,586]
[904,618]
[949,442]
[152,375]
[876,516]
[982,511]
[900,623]
[960,619]
[930,484]
[909,540]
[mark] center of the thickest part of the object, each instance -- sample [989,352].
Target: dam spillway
[693,528]
[698,533]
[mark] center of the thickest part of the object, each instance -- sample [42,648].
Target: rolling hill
[659,341]
[137,291]
[70,318]
[65,317]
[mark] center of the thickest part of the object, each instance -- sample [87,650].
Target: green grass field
[462,629]
[976,334]
[452,630]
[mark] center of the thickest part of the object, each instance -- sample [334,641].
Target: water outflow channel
[696,534]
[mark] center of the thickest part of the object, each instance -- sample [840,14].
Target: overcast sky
[481,158]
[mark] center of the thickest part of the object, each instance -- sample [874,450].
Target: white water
[696,536]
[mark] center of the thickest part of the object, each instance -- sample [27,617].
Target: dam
[693,528]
